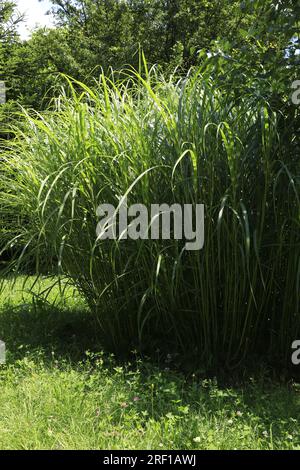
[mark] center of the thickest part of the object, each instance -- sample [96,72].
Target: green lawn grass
[57,392]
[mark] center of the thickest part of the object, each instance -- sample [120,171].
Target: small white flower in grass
[265,434]
[230,422]
[197,439]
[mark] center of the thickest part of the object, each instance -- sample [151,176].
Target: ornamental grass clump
[158,141]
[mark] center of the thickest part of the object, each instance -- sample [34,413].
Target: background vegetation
[255,40]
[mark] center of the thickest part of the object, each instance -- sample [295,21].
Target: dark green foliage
[248,40]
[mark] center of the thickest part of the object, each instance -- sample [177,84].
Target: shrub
[160,141]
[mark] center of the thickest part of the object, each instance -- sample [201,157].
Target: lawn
[59,392]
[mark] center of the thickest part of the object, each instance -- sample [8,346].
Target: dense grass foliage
[56,395]
[157,141]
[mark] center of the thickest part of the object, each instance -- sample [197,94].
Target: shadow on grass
[67,333]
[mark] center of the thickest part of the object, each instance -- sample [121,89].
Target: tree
[248,40]
[113,30]
[265,53]
[9,19]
